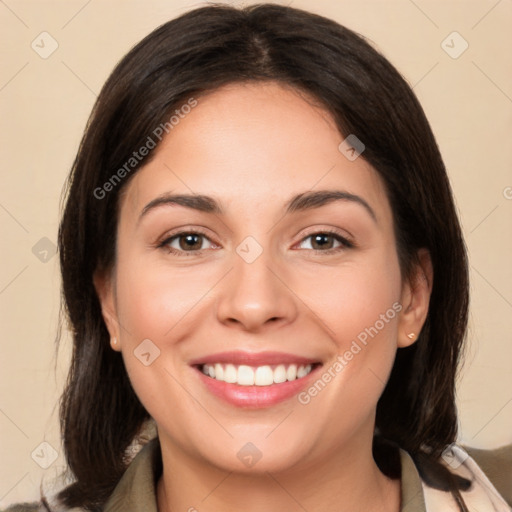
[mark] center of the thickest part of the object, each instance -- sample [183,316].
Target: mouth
[255,380]
[267,375]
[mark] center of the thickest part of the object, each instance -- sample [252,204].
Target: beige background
[45,104]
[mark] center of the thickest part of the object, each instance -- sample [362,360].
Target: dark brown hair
[197,53]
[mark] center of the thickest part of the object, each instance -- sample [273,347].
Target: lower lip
[256,397]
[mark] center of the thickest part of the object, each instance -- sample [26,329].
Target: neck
[349,481]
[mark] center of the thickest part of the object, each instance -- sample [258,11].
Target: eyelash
[165,243]
[345,243]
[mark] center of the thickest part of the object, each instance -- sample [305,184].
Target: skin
[252,147]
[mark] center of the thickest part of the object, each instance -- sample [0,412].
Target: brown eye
[322,241]
[190,242]
[186,242]
[325,242]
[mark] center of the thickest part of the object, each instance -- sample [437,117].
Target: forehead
[252,144]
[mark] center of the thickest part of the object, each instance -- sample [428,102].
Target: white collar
[482,496]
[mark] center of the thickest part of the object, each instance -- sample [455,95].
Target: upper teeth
[260,376]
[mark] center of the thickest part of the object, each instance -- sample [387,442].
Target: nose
[255,295]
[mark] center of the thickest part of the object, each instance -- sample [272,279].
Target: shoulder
[486,480]
[488,474]
[144,464]
[497,466]
[46,504]
[51,505]
[24,507]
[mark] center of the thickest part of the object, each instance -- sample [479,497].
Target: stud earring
[411,335]
[113,341]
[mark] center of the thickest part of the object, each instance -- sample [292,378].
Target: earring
[113,342]
[411,335]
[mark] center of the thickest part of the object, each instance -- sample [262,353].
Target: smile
[255,380]
[266,375]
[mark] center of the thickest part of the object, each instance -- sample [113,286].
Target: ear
[415,300]
[104,283]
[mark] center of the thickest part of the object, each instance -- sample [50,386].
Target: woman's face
[275,272]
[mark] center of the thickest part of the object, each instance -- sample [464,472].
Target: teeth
[291,373]
[264,376]
[230,375]
[219,371]
[244,375]
[302,371]
[280,374]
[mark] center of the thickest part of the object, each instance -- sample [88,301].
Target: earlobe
[415,300]
[104,285]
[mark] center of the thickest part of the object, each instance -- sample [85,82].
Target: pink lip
[238,357]
[255,397]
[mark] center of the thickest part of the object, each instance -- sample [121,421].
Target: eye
[186,242]
[325,242]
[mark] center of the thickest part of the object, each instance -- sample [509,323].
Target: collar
[137,488]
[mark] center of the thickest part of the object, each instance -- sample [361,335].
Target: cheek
[158,308]
[359,309]
[153,300]
[351,300]
[355,308]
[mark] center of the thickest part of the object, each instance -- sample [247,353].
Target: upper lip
[238,357]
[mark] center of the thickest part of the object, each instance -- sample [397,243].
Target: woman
[261,258]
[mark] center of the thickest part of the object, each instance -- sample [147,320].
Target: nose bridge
[253,295]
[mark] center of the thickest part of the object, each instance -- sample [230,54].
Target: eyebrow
[310,200]
[301,202]
[195,201]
